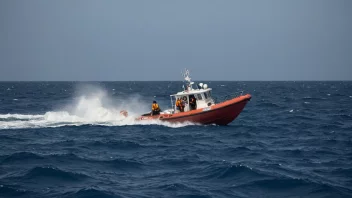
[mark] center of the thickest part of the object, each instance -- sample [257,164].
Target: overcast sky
[153,40]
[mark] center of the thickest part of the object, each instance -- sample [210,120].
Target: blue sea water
[68,139]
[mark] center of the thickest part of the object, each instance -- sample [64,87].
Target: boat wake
[94,108]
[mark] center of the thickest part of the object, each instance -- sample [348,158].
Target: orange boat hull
[220,114]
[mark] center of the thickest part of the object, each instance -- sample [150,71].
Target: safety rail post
[172,106]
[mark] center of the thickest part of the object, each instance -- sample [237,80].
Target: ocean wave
[315,99]
[180,161]
[343,174]
[90,192]
[276,183]
[123,164]
[174,186]
[117,164]
[52,173]
[15,191]
[68,159]
[293,152]
[341,116]
[268,104]
[20,158]
[235,171]
[286,186]
[6,137]
[183,190]
[328,127]
[228,172]
[302,117]
[116,144]
[239,149]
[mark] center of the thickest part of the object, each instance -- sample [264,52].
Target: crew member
[155,108]
[179,105]
[193,103]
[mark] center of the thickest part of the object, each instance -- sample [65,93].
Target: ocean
[68,139]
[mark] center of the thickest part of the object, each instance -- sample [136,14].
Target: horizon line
[1,81]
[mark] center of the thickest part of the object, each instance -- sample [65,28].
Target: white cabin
[203,98]
[202,95]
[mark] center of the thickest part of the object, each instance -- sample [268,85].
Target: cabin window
[199,97]
[205,95]
[209,94]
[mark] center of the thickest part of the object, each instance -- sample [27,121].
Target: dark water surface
[67,139]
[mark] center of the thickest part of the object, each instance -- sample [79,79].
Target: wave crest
[91,192]
[53,173]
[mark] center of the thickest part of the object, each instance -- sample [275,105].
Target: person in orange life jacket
[155,108]
[179,105]
[193,103]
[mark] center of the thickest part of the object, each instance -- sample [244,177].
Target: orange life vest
[178,103]
[155,107]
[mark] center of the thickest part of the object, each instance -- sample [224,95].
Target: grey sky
[154,40]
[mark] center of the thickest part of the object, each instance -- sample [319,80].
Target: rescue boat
[206,111]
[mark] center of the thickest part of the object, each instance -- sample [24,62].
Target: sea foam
[92,106]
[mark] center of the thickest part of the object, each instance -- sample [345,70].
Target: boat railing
[227,97]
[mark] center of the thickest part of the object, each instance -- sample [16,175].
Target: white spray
[92,105]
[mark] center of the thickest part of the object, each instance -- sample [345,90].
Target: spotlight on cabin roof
[200,85]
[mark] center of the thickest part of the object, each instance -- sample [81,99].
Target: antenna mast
[186,75]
